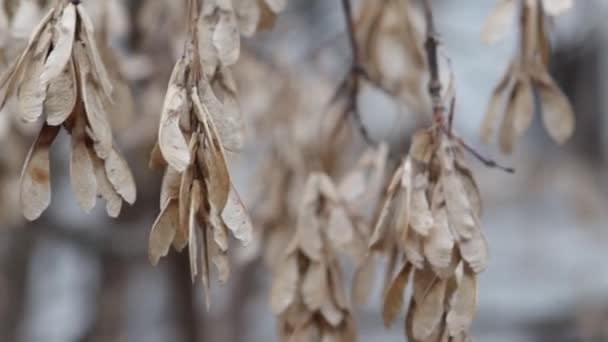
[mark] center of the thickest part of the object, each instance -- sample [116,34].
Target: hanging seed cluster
[308,293]
[61,77]
[199,121]
[392,47]
[513,98]
[429,223]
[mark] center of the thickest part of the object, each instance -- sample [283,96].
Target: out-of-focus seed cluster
[429,225]
[513,97]
[61,77]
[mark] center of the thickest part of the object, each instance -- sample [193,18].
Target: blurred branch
[434,88]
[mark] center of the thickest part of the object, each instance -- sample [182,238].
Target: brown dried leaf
[363,281]
[13,75]
[421,218]
[413,248]
[185,190]
[475,251]
[470,187]
[219,258]
[170,138]
[340,230]
[63,41]
[87,35]
[284,285]
[460,214]
[496,107]
[393,298]
[226,37]
[104,187]
[96,115]
[236,217]
[82,171]
[170,185]
[36,175]
[386,213]
[220,231]
[213,157]
[227,120]
[315,286]
[336,284]
[421,148]
[31,92]
[196,235]
[120,176]
[157,161]
[429,310]
[332,314]
[439,244]
[463,304]
[523,107]
[61,96]
[558,115]
[163,232]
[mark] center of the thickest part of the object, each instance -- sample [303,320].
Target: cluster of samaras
[429,225]
[199,122]
[198,203]
[513,97]
[308,293]
[392,48]
[60,76]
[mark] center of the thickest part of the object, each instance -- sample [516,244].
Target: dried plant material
[61,96]
[163,232]
[192,148]
[463,304]
[81,169]
[105,188]
[36,175]
[558,115]
[170,138]
[392,48]
[429,309]
[312,271]
[120,176]
[60,55]
[236,217]
[31,91]
[222,23]
[430,217]
[285,285]
[393,299]
[501,16]
[529,72]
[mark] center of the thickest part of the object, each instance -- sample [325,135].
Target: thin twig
[434,87]
[430,46]
[351,83]
[350,27]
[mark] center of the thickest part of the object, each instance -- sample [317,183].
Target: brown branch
[430,45]
[434,87]
[351,83]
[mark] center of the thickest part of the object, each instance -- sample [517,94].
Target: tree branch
[434,87]
[351,83]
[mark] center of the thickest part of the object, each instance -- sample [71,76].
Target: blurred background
[76,277]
